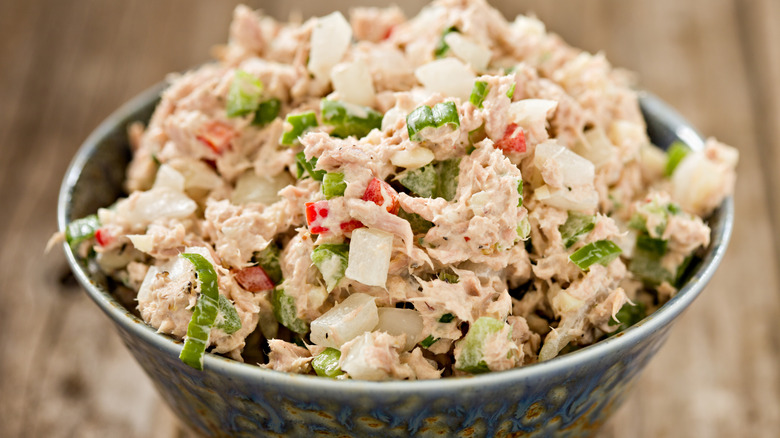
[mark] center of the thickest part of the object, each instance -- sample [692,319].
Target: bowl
[571,395]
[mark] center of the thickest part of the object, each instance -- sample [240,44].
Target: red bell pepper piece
[381,193]
[254,279]
[316,212]
[103,237]
[216,135]
[513,140]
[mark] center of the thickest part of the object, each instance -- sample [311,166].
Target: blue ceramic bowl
[571,395]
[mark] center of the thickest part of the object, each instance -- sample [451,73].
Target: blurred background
[65,65]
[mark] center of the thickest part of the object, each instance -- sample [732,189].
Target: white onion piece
[477,55]
[653,160]
[596,147]
[401,321]
[142,242]
[579,199]
[348,319]
[159,203]
[447,76]
[369,256]
[330,39]
[197,174]
[251,187]
[168,177]
[531,111]
[356,361]
[412,158]
[352,81]
[576,171]
[696,181]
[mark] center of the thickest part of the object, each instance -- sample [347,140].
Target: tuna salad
[388,198]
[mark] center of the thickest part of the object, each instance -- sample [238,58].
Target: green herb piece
[674,155]
[577,225]
[304,166]
[520,192]
[602,252]
[417,120]
[511,93]
[446,114]
[244,94]
[300,123]
[448,171]
[286,312]
[267,111]
[627,316]
[349,119]
[478,93]
[81,230]
[326,364]
[268,259]
[471,359]
[449,277]
[331,259]
[333,185]
[230,323]
[418,223]
[647,267]
[203,315]
[442,47]
[427,342]
[447,317]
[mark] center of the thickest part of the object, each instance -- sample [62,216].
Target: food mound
[383,198]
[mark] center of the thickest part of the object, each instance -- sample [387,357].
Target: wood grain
[66,65]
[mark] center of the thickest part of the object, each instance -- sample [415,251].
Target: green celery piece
[442,47]
[268,259]
[244,94]
[348,119]
[602,252]
[475,136]
[647,267]
[449,277]
[307,167]
[301,123]
[203,315]
[448,171]
[231,323]
[418,223]
[576,226]
[331,259]
[511,91]
[471,355]
[427,342]
[478,93]
[627,316]
[524,229]
[326,364]
[446,113]
[520,192]
[286,312]
[333,185]
[80,230]
[651,244]
[447,317]
[267,111]
[674,155]
[421,181]
[417,120]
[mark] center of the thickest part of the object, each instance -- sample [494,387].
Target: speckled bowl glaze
[571,395]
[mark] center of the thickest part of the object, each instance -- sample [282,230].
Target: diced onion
[477,55]
[412,158]
[352,317]
[579,199]
[352,81]
[576,171]
[369,256]
[197,174]
[251,187]
[596,147]
[653,160]
[401,321]
[565,303]
[330,39]
[697,181]
[447,76]
[156,204]
[527,112]
[142,242]
[168,177]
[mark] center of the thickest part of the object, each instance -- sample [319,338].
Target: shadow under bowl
[571,395]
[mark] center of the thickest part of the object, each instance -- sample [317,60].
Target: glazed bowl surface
[571,395]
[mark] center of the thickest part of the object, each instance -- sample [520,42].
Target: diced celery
[418,223]
[331,259]
[524,229]
[449,277]
[349,119]
[446,113]
[674,155]
[511,91]
[300,123]
[333,185]
[520,192]
[442,47]
[230,323]
[471,355]
[602,252]
[651,244]
[448,171]
[244,94]
[418,120]
[80,230]
[268,259]
[421,181]
[305,166]
[628,315]
[577,225]
[326,364]
[447,317]
[478,93]
[267,111]
[286,312]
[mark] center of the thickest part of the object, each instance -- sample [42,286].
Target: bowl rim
[213,363]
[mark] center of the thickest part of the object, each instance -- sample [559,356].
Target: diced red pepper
[389,32]
[513,140]
[103,237]
[381,193]
[352,225]
[316,212]
[216,135]
[254,279]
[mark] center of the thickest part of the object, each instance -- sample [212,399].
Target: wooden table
[66,65]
